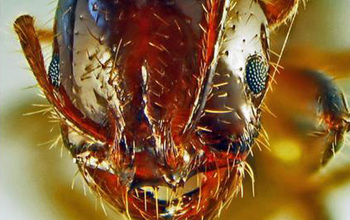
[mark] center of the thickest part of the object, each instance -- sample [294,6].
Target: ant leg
[310,108]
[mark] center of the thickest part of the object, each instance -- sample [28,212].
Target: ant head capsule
[152,96]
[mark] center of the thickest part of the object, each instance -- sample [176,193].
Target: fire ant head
[161,98]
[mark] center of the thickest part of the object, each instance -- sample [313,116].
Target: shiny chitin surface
[161,99]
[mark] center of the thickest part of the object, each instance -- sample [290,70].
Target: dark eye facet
[256,74]
[54,70]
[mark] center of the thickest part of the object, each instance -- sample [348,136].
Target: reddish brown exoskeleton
[160,100]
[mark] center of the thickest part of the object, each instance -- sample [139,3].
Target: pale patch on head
[243,36]
[92,67]
[246,35]
[75,138]
[246,111]
[92,162]
[81,144]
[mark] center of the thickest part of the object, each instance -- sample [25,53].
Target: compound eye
[54,71]
[256,74]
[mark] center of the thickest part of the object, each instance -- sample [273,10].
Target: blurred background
[37,183]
